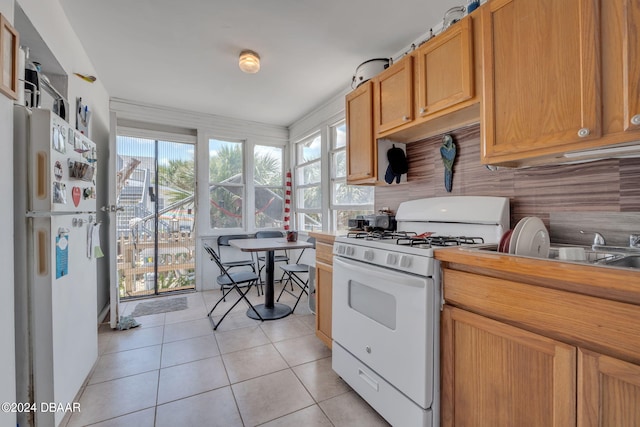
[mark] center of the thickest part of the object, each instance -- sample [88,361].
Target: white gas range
[387,301]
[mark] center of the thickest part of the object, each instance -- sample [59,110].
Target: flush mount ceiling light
[249,61]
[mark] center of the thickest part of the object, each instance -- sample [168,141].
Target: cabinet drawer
[324,252]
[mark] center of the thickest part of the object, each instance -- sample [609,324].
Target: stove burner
[430,241]
[379,234]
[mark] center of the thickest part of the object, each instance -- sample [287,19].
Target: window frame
[299,186]
[254,186]
[329,210]
[248,224]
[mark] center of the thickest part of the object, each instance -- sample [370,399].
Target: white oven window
[372,303]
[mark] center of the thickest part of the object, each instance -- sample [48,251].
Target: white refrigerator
[56,246]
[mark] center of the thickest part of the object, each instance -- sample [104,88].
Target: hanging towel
[95,240]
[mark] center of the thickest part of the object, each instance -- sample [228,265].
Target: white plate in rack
[515,234]
[533,239]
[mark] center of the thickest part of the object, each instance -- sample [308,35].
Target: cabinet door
[621,70]
[608,391]
[445,69]
[394,95]
[541,79]
[631,62]
[361,152]
[324,301]
[497,375]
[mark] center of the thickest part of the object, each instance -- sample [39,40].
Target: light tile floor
[174,370]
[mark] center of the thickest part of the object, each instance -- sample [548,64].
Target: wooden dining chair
[240,281]
[293,275]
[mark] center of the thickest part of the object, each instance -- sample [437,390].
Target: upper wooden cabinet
[393,96]
[541,78]
[362,156]
[620,35]
[445,70]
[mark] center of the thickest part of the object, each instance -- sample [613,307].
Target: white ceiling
[184,53]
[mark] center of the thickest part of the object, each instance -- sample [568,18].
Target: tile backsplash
[599,196]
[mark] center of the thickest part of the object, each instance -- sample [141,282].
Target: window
[347,201]
[309,183]
[325,190]
[268,169]
[229,187]
[226,184]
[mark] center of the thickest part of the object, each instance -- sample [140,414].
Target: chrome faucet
[598,239]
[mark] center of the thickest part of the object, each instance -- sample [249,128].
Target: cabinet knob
[423,110]
[635,120]
[584,132]
[405,118]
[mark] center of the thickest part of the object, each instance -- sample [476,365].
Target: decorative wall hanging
[9,46]
[448,154]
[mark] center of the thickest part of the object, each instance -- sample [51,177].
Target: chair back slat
[268,234]
[224,239]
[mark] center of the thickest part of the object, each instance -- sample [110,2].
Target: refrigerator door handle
[111,208]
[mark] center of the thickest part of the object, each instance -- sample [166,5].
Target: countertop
[613,283]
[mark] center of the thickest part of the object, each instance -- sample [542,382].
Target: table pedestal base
[277,312]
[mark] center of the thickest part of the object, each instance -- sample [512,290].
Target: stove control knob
[340,249]
[392,259]
[368,255]
[405,261]
[350,251]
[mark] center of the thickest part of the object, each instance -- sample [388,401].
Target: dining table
[270,310]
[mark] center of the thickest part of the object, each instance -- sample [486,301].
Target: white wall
[7,336]
[48,18]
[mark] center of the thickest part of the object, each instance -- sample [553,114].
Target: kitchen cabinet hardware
[423,110]
[405,118]
[635,120]
[584,132]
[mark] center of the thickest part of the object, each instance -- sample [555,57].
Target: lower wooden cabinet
[324,285]
[324,293]
[495,374]
[498,375]
[608,391]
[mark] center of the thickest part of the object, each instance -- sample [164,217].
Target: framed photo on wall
[9,45]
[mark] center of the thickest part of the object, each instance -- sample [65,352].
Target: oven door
[387,319]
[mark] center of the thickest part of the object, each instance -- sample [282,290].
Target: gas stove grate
[439,241]
[380,235]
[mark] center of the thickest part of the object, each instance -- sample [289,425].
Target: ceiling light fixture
[249,61]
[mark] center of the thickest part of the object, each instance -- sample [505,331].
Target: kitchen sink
[616,257]
[591,256]
[630,261]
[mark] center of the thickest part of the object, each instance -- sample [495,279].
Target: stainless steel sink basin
[631,261]
[596,256]
[591,256]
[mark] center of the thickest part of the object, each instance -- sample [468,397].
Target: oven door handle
[381,274]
